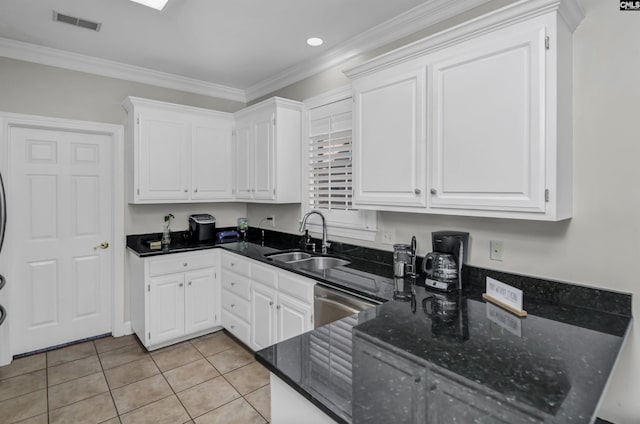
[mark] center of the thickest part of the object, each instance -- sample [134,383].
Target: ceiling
[233,43]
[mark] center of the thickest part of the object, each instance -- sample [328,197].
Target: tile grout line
[214,367]
[169,384]
[46,373]
[104,374]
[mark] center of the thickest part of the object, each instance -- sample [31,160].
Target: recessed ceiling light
[314,41]
[156,4]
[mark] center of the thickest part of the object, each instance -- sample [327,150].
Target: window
[328,158]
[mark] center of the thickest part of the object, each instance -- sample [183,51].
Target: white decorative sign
[504,293]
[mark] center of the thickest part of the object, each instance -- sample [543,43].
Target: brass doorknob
[103,245]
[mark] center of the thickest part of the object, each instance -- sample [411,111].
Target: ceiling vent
[82,23]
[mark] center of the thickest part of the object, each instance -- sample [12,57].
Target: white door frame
[116,132]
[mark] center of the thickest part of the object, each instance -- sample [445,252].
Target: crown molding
[331,96]
[499,18]
[429,13]
[77,62]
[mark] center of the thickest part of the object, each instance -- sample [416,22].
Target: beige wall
[599,246]
[34,89]
[45,90]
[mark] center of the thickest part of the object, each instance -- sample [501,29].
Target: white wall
[599,245]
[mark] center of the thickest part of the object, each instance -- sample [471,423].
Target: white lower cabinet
[263,305]
[263,318]
[293,317]
[174,297]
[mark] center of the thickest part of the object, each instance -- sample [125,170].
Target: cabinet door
[263,129]
[294,317]
[263,316]
[244,161]
[212,159]
[408,378]
[200,300]
[166,308]
[488,104]
[389,138]
[164,160]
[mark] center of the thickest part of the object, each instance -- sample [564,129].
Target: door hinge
[547,43]
[273,118]
[215,317]
[546,195]
[311,319]
[149,335]
[138,120]
[149,288]
[138,191]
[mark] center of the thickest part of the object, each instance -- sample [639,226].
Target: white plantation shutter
[329,156]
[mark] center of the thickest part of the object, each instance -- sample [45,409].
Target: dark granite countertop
[467,362]
[362,277]
[445,358]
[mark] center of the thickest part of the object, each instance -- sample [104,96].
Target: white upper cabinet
[268,139]
[163,166]
[211,161]
[389,139]
[178,154]
[494,135]
[488,134]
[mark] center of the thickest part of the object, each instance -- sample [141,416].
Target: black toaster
[202,227]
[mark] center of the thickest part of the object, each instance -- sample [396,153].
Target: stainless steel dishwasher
[330,305]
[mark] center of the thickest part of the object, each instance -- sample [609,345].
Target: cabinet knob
[189,282]
[233,264]
[434,191]
[180,284]
[186,191]
[278,307]
[233,284]
[233,326]
[271,303]
[185,264]
[233,305]
[417,191]
[195,191]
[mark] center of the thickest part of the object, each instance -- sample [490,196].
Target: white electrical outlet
[496,249]
[389,237]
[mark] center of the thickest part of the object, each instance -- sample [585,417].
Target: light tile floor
[211,379]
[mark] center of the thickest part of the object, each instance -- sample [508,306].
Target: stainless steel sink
[320,263]
[307,261]
[289,256]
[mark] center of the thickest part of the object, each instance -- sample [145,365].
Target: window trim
[366,228]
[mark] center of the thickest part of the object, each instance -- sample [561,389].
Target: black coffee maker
[443,266]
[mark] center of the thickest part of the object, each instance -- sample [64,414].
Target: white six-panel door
[60,204]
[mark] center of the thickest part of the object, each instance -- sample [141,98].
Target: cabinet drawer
[266,275]
[236,264]
[180,263]
[236,305]
[299,287]
[236,283]
[236,326]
